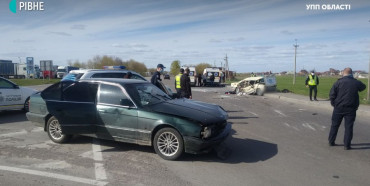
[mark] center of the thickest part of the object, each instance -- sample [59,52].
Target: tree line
[98,62]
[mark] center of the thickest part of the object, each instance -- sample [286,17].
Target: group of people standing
[345,100]
[182,81]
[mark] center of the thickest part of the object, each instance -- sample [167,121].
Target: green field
[30,82]
[323,89]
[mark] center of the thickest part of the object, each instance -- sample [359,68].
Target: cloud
[215,41]
[59,33]
[286,32]
[23,41]
[78,27]
[237,39]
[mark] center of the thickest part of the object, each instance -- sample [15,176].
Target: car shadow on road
[240,151]
[12,116]
[240,117]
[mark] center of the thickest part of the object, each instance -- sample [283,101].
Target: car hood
[28,91]
[205,113]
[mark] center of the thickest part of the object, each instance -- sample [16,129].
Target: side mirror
[126,102]
[16,87]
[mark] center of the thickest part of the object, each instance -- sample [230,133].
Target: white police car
[14,97]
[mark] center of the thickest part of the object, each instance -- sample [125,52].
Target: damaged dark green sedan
[130,111]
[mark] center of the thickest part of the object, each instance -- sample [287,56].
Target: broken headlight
[207,132]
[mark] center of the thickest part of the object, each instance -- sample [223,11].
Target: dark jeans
[314,88]
[349,116]
[178,90]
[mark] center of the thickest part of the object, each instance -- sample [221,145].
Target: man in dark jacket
[185,85]
[345,100]
[312,81]
[157,75]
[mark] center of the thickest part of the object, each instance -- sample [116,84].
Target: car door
[117,113]
[10,95]
[73,104]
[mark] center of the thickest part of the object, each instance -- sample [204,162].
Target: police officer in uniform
[345,100]
[312,81]
[157,75]
[177,81]
[185,85]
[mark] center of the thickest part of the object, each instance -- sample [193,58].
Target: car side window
[111,94]
[5,84]
[134,76]
[80,92]
[54,92]
[108,75]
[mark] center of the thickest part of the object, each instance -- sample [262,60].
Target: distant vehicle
[192,75]
[250,86]
[270,82]
[64,70]
[216,72]
[9,70]
[130,111]
[166,76]
[99,73]
[14,97]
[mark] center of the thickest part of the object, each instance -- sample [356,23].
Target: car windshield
[72,77]
[146,94]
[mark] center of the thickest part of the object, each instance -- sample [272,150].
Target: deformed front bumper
[195,145]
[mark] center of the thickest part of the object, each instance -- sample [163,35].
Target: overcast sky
[256,35]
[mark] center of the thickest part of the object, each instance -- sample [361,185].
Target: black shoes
[316,99]
[347,148]
[332,144]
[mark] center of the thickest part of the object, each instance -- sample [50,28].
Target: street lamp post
[295,60]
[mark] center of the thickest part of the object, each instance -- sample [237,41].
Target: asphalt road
[272,143]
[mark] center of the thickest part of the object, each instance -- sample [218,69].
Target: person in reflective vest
[312,81]
[177,82]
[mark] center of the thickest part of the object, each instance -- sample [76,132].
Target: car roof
[252,78]
[100,71]
[113,80]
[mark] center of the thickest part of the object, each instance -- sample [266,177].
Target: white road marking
[254,113]
[53,175]
[294,127]
[14,133]
[308,126]
[100,173]
[37,129]
[279,112]
[22,132]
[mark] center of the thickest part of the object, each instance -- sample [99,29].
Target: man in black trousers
[312,81]
[345,100]
[185,85]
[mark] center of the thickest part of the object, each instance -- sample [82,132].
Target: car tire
[168,144]
[259,92]
[237,90]
[26,106]
[55,132]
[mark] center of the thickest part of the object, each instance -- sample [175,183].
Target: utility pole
[368,83]
[295,60]
[227,68]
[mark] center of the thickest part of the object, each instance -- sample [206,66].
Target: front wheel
[55,131]
[26,106]
[259,92]
[168,144]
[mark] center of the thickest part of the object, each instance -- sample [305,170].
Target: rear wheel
[55,131]
[168,144]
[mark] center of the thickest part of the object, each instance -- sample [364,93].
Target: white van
[216,72]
